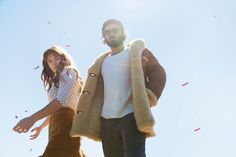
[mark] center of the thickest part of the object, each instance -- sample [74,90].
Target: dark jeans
[121,138]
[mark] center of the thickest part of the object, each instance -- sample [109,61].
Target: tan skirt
[60,143]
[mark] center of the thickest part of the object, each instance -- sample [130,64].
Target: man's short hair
[112,21]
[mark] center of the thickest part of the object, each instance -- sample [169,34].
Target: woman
[63,84]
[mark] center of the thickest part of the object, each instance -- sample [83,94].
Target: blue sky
[193,39]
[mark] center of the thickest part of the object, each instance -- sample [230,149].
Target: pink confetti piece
[67,45]
[197,129]
[184,84]
[36,67]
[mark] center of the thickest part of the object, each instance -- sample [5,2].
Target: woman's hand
[36,131]
[24,125]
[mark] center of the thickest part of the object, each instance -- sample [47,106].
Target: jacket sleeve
[155,73]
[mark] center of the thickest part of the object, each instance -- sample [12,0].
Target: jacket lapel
[141,104]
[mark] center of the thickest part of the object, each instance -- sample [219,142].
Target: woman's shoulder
[69,72]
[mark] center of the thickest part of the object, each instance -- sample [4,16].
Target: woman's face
[53,61]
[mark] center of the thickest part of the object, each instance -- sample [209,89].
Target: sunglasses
[112,31]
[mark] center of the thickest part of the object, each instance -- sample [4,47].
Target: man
[121,87]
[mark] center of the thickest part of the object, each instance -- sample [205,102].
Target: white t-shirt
[117,85]
[68,91]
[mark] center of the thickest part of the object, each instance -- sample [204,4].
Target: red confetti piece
[197,129]
[67,45]
[36,67]
[184,84]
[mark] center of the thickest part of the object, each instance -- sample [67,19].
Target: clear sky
[194,40]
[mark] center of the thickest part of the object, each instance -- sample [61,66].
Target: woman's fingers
[26,130]
[32,130]
[23,125]
[35,135]
[16,127]
[32,137]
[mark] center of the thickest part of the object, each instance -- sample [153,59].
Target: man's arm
[155,73]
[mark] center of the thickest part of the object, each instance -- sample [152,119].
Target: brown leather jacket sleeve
[154,73]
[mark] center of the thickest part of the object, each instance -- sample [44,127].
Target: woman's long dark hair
[48,76]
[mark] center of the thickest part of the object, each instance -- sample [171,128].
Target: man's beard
[115,43]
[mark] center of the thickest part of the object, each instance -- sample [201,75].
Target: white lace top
[68,91]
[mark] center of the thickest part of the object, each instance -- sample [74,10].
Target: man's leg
[111,139]
[133,140]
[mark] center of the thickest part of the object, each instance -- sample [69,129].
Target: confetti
[49,22]
[26,111]
[31,149]
[197,129]
[36,67]
[16,116]
[67,45]
[184,84]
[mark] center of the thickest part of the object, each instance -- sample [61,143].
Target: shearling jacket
[147,80]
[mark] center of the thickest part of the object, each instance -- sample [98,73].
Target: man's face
[113,35]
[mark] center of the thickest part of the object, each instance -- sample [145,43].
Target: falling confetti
[31,149]
[26,111]
[36,67]
[49,22]
[184,84]
[16,116]
[67,45]
[197,129]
